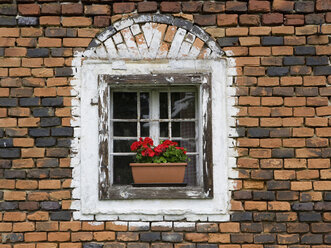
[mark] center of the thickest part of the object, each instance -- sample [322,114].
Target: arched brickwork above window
[153,37]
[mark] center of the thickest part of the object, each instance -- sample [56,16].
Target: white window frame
[86,174]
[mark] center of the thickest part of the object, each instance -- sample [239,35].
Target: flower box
[158,173]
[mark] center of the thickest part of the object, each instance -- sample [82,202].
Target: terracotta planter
[163,173]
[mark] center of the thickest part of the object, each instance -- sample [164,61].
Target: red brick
[76,21]
[104,236]
[272,19]
[29,9]
[283,6]
[205,20]
[213,7]
[144,7]
[227,20]
[14,216]
[235,6]
[249,20]
[71,9]
[35,236]
[23,227]
[259,6]
[52,20]
[294,20]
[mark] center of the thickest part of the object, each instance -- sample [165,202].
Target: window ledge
[130,192]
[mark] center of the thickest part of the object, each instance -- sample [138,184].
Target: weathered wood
[103,112]
[129,192]
[154,79]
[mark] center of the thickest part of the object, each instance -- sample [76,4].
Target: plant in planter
[162,164]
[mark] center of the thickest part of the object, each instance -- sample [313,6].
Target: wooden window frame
[107,191]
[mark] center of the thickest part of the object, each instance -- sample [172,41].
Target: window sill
[130,192]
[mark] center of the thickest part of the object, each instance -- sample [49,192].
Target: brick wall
[282,54]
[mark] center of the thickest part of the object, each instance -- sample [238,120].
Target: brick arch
[153,37]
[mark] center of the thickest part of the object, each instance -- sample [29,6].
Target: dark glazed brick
[207,227]
[241,238]
[1,195]
[258,132]
[52,101]
[45,142]
[264,238]
[283,91]
[1,132]
[5,206]
[303,50]
[62,131]
[5,164]
[47,162]
[264,216]
[61,215]
[60,173]
[274,227]
[282,153]
[8,9]
[310,216]
[50,122]
[6,143]
[263,195]
[300,70]
[314,19]
[297,228]
[323,206]
[205,20]
[150,236]
[10,153]
[191,7]
[27,21]
[280,132]
[307,206]
[304,7]
[322,60]
[39,132]
[287,195]
[13,174]
[242,195]
[49,205]
[235,6]
[38,53]
[228,41]
[261,174]
[163,19]
[312,239]
[278,185]
[272,41]
[33,101]
[322,70]
[326,152]
[251,227]
[172,237]
[7,20]
[245,216]
[8,102]
[92,245]
[327,195]
[39,173]
[277,71]
[199,245]
[64,142]
[294,60]
[306,91]
[43,112]
[31,206]
[12,237]
[63,72]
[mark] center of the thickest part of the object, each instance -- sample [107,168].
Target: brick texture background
[282,54]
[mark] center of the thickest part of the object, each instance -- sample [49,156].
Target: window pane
[144,129]
[126,129]
[190,173]
[122,170]
[122,145]
[163,105]
[164,130]
[125,105]
[189,145]
[144,105]
[182,105]
[183,129]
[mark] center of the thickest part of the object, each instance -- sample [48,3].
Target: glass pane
[163,105]
[189,145]
[125,105]
[183,129]
[144,129]
[190,173]
[164,129]
[144,105]
[182,105]
[122,170]
[123,145]
[126,129]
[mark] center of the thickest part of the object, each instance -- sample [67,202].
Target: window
[160,106]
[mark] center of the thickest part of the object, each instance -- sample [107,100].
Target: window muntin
[160,113]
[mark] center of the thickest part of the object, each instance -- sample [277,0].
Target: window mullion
[138,114]
[111,137]
[155,116]
[169,114]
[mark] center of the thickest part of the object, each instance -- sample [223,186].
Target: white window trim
[85,162]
